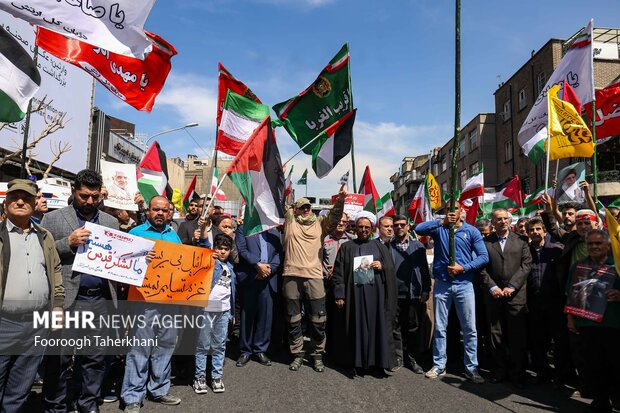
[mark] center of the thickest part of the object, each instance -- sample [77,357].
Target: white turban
[368,215]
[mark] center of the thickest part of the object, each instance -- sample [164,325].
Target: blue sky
[402,66]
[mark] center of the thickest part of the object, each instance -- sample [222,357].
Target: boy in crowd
[218,313]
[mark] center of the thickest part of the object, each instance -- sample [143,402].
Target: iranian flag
[288,186]
[506,196]
[367,188]
[215,181]
[420,207]
[257,172]
[190,194]
[474,187]
[153,174]
[387,206]
[332,145]
[577,67]
[240,117]
[227,82]
[19,79]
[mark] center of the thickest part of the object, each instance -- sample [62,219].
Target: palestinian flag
[190,194]
[367,188]
[474,187]
[324,103]
[257,172]
[219,195]
[240,117]
[227,82]
[471,207]
[153,174]
[506,196]
[19,79]
[332,145]
[387,206]
[420,207]
[304,178]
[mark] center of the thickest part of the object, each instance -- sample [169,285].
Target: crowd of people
[352,288]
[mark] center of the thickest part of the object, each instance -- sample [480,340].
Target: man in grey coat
[83,292]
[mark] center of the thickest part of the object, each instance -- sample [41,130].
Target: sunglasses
[400,225]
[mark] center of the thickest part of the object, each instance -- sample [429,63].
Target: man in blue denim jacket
[219,312]
[453,283]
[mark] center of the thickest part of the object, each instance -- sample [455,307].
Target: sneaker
[200,385]
[399,364]
[435,372]
[110,398]
[168,400]
[132,408]
[296,363]
[318,366]
[474,376]
[218,386]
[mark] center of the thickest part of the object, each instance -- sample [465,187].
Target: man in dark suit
[505,278]
[83,292]
[258,283]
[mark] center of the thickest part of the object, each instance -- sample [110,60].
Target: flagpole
[548,158]
[594,161]
[219,185]
[27,124]
[302,148]
[457,120]
[352,106]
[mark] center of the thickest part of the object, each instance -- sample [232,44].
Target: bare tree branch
[58,152]
[30,155]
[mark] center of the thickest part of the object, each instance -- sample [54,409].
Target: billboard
[69,89]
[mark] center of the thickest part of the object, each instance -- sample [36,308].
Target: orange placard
[179,274]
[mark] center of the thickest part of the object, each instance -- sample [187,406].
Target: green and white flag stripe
[240,117]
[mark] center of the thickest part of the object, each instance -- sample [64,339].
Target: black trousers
[508,334]
[89,364]
[20,358]
[602,368]
[407,339]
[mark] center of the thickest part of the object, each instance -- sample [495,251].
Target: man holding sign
[83,292]
[148,368]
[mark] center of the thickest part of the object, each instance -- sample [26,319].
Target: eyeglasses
[400,225]
[305,207]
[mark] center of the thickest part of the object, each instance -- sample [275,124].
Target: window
[541,79]
[506,113]
[444,165]
[474,168]
[444,188]
[461,148]
[463,177]
[436,169]
[473,140]
[507,151]
[522,99]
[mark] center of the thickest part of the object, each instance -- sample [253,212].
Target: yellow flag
[177,199]
[434,192]
[570,137]
[614,233]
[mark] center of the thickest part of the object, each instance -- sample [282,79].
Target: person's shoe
[399,364]
[217,385]
[435,372]
[263,359]
[200,385]
[318,366]
[243,360]
[415,367]
[296,364]
[132,408]
[168,400]
[474,376]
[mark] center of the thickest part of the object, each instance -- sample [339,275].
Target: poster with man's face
[121,184]
[568,179]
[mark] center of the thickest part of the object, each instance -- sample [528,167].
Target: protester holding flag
[189,225]
[303,276]
[453,284]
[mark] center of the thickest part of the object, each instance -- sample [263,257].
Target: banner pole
[27,123]
[457,121]
[352,106]
[302,148]
[594,157]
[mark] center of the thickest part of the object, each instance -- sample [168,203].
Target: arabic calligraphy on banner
[113,255]
[324,116]
[179,274]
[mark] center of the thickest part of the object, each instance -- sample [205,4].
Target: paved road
[256,388]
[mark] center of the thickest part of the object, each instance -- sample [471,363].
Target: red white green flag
[367,188]
[227,82]
[219,195]
[153,174]
[257,172]
[474,187]
[240,117]
[420,207]
[190,194]
[387,206]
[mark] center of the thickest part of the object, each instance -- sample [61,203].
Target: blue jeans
[212,337]
[148,368]
[462,295]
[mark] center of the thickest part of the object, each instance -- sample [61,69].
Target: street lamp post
[189,125]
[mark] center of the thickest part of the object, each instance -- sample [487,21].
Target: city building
[406,181]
